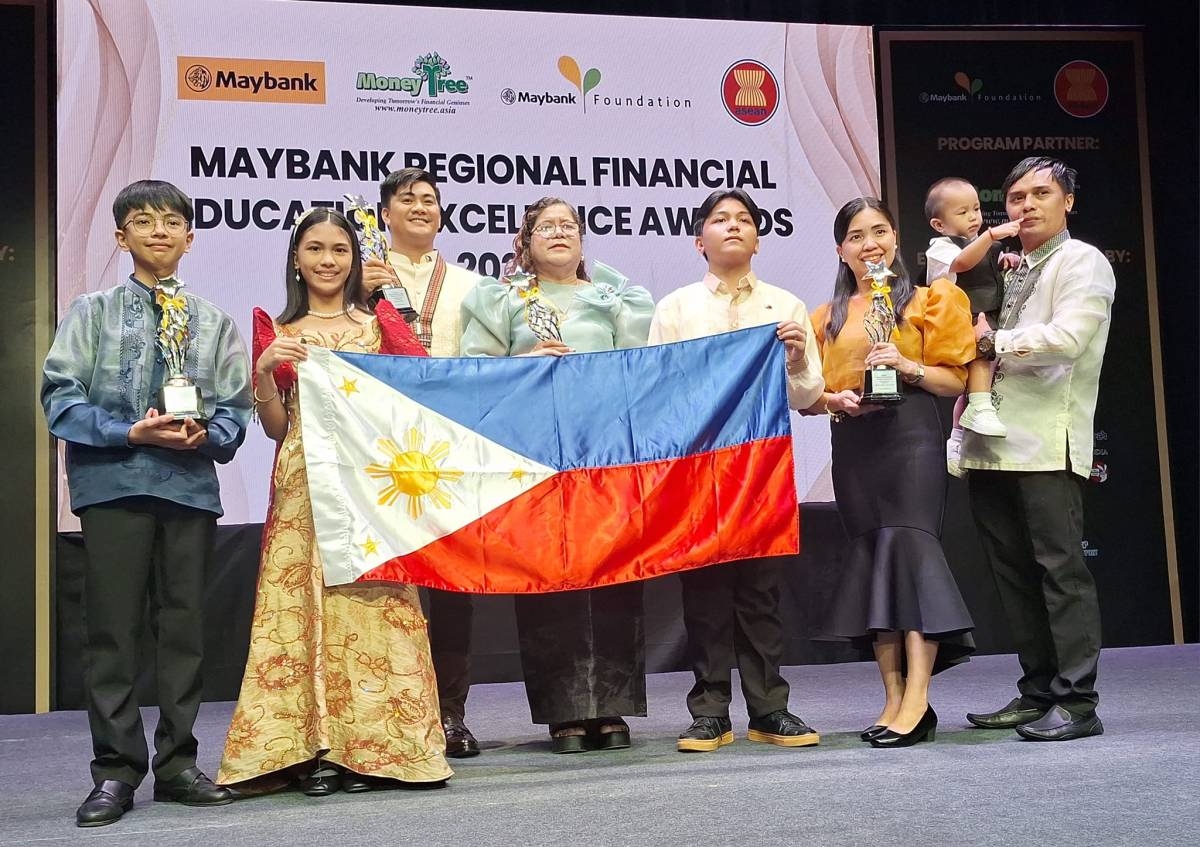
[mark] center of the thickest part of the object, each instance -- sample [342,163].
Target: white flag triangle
[387,475]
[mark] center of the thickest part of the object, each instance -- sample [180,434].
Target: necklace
[328,316]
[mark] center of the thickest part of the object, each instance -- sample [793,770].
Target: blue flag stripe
[604,409]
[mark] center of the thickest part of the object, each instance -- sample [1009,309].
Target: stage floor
[1136,785]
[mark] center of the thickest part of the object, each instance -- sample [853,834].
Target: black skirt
[889,478]
[583,653]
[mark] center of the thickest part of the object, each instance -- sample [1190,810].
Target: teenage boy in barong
[144,486]
[731,610]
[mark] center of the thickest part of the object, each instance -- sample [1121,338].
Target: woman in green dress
[582,652]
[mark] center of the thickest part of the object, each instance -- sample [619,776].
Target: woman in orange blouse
[896,591]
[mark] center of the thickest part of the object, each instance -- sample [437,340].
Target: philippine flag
[544,474]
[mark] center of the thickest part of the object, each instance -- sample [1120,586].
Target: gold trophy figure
[373,245]
[881,383]
[178,396]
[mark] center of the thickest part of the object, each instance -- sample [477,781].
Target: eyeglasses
[568,228]
[144,224]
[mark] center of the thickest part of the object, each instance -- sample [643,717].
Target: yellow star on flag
[370,546]
[518,474]
[348,387]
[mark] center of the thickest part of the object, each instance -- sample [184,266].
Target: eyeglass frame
[547,230]
[156,220]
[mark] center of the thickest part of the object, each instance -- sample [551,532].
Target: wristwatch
[918,376]
[986,345]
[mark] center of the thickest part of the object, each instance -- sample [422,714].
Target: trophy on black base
[881,383]
[178,396]
[373,246]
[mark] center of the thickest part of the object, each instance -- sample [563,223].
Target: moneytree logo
[750,92]
[1081,89]
[971,86]
[432,79]
[569,68]
[432,68]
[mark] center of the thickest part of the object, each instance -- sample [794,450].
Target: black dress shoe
[460,743]
[1008,717]
[192,788]
[107,802]
[357,783]
[326,779]
[925,730]
[783,729]
[875,729]
[1060,725]
[705,735]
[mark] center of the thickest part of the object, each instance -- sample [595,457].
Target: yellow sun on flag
[414,473]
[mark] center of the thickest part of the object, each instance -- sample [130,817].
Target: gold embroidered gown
[343,673]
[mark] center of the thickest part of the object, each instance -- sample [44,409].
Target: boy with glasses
[144,486]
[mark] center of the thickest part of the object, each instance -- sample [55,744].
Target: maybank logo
[253,80]
[432,79]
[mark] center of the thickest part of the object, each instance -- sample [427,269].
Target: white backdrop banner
[261,108]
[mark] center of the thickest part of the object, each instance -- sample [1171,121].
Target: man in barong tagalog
[1027,489]
[145,489]
[412,213]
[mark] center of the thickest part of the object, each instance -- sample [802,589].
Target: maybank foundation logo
[569,68]
[250,80]
[750,92]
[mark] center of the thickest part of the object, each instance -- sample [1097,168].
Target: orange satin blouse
[937,330]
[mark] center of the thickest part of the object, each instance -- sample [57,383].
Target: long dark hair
[521,252]
[846,286]
[297,289]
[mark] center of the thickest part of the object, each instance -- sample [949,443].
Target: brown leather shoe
[460,743]
[106,804]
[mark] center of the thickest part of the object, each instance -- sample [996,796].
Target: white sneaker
[954,454]
[983,420]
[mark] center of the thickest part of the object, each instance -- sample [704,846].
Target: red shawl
[396,338]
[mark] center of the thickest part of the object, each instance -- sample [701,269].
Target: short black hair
[396,181]
[933,197]
[156,194]
[716,197]
[1063,174]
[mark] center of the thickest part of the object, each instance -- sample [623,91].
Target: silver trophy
[373,245]
[178,396]
[541,318]
[881,383]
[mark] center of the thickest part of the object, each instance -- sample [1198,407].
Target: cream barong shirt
[1048,356]
[709,307]
[446,326]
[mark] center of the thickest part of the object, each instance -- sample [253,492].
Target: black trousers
[1031,528]
[583,653]
[143,549]
[731,612]
[450,614]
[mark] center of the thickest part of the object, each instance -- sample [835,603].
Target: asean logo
[750,92]
[1081,89]
[198,78]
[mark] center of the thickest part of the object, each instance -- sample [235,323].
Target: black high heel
[873,731]
[925,730]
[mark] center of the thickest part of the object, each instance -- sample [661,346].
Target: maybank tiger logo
[250,80]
